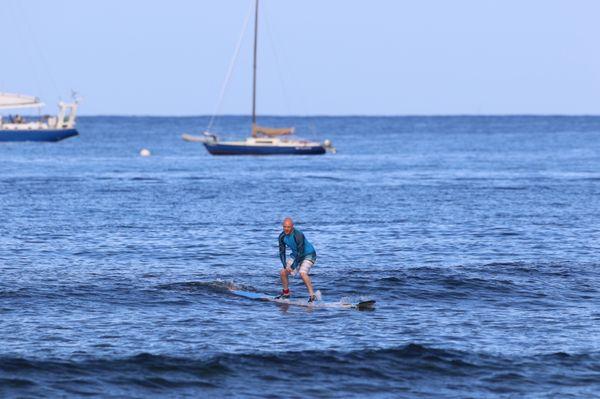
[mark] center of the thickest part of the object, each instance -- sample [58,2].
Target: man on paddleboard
[303,257]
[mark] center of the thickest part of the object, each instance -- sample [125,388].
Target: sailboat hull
[240,149]
[264,140]
[47,135]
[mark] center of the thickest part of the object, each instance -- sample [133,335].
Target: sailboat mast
[254,78]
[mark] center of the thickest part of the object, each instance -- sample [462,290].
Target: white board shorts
[303,268]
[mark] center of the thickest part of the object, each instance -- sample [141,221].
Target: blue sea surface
[479,238]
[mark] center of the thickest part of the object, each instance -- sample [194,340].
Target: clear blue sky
[326,57]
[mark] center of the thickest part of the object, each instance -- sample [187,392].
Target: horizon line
[339,115]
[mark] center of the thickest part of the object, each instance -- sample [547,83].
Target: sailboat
[45,128]
[264,140]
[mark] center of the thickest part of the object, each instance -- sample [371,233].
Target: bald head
[288,225]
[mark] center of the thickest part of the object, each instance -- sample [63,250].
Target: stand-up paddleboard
[360,305]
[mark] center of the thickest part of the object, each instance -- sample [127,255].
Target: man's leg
[284,278]
[284,273]
[305,277]
[304,270]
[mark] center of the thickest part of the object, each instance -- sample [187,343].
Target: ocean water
[477,236]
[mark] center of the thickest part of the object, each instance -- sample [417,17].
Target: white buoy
[145,152]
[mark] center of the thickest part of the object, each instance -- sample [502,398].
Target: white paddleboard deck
[360,305]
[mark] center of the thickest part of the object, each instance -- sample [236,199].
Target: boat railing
[66,115]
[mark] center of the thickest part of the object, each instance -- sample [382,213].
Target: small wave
[511,188]
[527,268]
[328,178]
[502,264]
[469,284]
[391,279]
[199,178]
[15,293]
[442,283]
[419,367]
[229,362]
[149,179]
[216,286]
[15,383]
